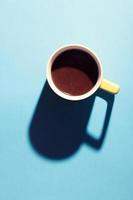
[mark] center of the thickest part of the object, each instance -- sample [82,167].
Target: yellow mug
[100,83]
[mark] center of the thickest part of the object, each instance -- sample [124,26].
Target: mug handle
[110,87]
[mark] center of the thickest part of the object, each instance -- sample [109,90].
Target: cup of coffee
[74,72]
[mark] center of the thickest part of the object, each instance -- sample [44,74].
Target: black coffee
[74,72]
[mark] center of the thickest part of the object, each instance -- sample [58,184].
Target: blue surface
[29,32]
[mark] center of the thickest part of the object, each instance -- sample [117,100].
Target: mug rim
[62,49]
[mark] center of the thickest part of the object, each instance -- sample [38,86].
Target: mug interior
[70,48]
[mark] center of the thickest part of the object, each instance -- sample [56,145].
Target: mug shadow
[58,126]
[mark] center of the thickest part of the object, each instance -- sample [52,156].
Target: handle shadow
[89,139]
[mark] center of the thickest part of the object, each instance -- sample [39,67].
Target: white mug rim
[60,50]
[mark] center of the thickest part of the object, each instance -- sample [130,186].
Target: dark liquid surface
[74,72]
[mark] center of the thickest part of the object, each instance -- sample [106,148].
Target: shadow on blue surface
[58,126]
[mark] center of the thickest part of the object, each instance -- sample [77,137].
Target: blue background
[29,32]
